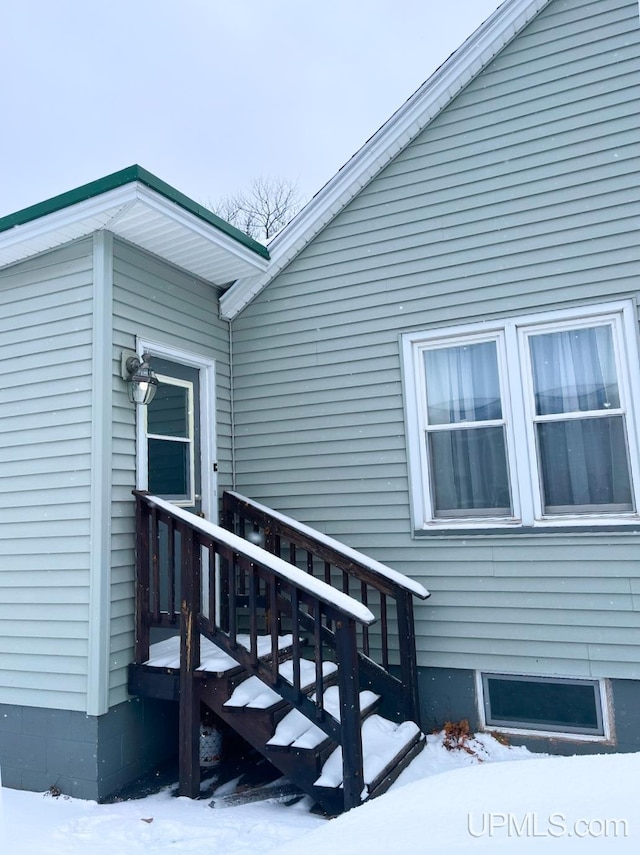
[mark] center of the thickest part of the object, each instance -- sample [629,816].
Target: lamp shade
[141,380]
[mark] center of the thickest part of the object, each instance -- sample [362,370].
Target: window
[543,704]
[170,433]
[525,421]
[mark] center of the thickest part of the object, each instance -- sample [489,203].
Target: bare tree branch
[262,210]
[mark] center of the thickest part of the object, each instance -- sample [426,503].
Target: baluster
[274,620]
[345,582]
[226,560]
[233,616]
[213,621]
[253,614]
[295,631]
[155,559]
[384,631]
[171,561]
[310,563]
[365,628]
[317,645]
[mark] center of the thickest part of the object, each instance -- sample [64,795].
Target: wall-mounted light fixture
[141,381]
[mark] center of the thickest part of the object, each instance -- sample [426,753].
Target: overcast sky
[207,94]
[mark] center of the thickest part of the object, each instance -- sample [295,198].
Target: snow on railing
[375,567]
[281,568]
[226,585]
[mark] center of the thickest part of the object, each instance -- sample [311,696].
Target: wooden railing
[387,659]
[249,592]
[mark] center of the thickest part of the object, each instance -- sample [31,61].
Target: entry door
[172,435]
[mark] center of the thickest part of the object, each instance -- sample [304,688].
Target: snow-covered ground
[461,801]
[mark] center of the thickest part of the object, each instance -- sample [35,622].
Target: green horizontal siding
[155,301]
[45,475]
[521,196]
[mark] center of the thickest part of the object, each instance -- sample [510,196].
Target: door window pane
[469,472]
[168,468]
[574,370]
[584,464]
[168,412]
[463,384]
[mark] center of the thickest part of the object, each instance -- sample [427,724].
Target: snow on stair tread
[256,695]
[253,693]
[297,731]
[382,741]
[166,654]
[307,671]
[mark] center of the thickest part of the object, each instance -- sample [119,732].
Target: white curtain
[467,465]
[583,460]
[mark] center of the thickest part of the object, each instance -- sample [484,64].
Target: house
[435,363]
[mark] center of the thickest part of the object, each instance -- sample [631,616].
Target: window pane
[469,472]
[542,704]
[463,384]
[574,370]
[168,468]
[584,463]
[167,414]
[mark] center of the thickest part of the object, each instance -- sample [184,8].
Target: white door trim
[207,367]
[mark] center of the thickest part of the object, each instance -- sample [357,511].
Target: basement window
[565,705]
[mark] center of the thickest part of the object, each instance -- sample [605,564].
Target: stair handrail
[352,560]
[322,600]
[386,582]
[280,568]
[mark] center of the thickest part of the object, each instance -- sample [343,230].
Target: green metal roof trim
[118,179]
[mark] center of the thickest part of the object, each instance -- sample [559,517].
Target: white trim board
[101,481]
[208,446]
[142,216]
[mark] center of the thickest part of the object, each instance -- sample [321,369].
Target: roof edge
[399,130]
[125,176]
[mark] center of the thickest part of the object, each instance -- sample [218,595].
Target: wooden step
[292,741]
[214,660]
[253,693]
[394,769]
[297,731]
[384,745]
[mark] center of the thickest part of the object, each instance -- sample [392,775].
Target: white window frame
[208,425]
[189,440]
[511,336]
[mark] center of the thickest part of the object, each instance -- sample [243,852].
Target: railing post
[189,721]
[142,581]
[408,662]
[347,656]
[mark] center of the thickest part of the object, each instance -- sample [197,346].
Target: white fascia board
[405,124]
[102,207]
[104,212]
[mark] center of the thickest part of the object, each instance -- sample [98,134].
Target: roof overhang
[403,127]
[141,209]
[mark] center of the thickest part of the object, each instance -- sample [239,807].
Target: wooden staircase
[281,650]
